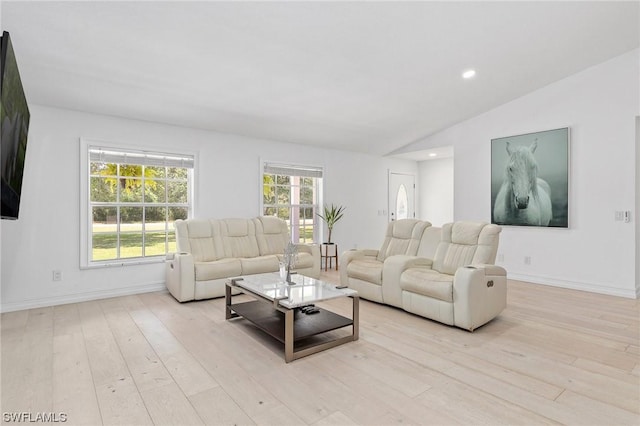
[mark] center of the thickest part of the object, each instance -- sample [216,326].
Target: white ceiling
[360,76]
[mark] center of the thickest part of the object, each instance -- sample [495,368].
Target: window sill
[121,263]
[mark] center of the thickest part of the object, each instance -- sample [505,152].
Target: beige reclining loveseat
[211,251]
[446,274]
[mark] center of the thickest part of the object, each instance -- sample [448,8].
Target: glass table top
[304,292]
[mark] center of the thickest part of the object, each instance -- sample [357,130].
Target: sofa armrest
[479,295]
[314,251]
[395,265]
[306,248]
[392,269]
[370,252]
[180,276]
[350,255]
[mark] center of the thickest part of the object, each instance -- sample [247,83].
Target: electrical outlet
[57,275]
[527,260]
[623,216]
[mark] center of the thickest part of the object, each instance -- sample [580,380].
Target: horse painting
[524,198]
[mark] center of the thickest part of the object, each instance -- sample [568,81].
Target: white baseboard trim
[576,285]
[81,297]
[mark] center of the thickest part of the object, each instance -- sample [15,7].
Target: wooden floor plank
[186,371]
[336,418]
[215,407]
[594,411]
[552,356]
[618,393]
[464,401]
[143,363]
[121,403]
[168,406]
[14,320]
[27,364]
[118,397]
[198,335]
[74,391]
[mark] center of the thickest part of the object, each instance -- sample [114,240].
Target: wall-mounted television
[14,126]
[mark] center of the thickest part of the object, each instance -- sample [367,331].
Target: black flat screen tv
[14,126]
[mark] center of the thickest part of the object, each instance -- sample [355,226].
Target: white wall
[228,183]
[599,105]
[635,216]
[435,186]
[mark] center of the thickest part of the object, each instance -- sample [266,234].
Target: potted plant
[332,214]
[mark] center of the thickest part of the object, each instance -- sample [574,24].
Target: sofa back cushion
[201,238]
[429,242]
[487,245]
[465,243]
[403,237]
[272,235]
[239,237]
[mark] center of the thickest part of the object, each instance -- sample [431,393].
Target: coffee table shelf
[272,321]
[275,310]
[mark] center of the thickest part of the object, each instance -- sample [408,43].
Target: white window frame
[85,201]
[299,170]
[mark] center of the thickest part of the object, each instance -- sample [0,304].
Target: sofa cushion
[259,265]
[367,269]
[458,246]
[466,232]
[487,245]
[199,238]
[428,282]
[403,237]
[272,235]
[239,238]
[223,268]
[429,242]
[450,257]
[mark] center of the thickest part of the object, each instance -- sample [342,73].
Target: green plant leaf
[331,215]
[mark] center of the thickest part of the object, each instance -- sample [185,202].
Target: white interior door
[402,196]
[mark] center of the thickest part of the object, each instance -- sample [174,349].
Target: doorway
[402,196]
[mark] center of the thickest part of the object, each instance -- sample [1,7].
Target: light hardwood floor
[553,356]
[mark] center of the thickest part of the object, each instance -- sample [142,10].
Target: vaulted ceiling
[360,76]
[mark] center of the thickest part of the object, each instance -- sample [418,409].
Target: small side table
[328,252]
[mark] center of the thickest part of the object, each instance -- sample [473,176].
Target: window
[133,198]
[401,203]
[291,193]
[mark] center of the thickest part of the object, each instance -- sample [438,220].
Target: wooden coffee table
[276,310]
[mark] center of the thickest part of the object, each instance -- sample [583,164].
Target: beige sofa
[446,274]
[211,251]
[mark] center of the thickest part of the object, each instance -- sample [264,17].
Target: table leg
[288,335]
[228,295]
[356,317]
[227,299]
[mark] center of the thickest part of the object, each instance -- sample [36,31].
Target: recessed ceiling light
[433,154]
[469,74]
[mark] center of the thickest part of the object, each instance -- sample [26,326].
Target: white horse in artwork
[524,198]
